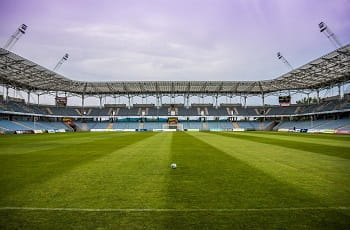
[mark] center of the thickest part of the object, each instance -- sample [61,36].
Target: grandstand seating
[192,124]
[6,125]
[225,125]
[341,124]
[329,105]
[126,125]
[317,124]
[153,125]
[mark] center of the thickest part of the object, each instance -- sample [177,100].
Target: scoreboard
[61,101]
[284,100]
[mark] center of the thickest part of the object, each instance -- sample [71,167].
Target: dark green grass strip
[209,178]
[19,170]
[325,219]
[29,143]
[325,136]
[337,151]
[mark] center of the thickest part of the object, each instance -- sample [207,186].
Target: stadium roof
[328,70]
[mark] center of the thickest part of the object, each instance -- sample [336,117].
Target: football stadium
[175,154]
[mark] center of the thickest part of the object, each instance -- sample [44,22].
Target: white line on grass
[173,210]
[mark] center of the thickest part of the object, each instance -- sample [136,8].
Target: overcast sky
[173,40]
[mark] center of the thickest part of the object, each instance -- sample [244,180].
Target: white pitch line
[173,210]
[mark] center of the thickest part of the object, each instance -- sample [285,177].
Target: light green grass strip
[325,177]
[308,138]
[124,178]
[23,144]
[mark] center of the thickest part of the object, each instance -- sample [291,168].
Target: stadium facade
[324,114]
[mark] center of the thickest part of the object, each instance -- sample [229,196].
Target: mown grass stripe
[132,176]
[208,177]
[40,166]
[336,151]
[301,138]
[319,136]
[321,176]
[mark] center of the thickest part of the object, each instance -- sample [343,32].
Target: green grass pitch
[248,180]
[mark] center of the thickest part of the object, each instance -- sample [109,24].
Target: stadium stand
[331,113]
[251,111]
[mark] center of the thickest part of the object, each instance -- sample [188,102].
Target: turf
[250,180]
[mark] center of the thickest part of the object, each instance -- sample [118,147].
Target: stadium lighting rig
[61,61]
[329,34]
[16,36]
[284,60]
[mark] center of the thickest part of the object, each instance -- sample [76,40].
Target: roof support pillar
[158,101]
[56,98]
[28,97]
[129,101]
[100,97]
[7,93]
[318,96]
[339,91]
[245,101]
[82,104]
[38,99]
[263,99]
[188,100]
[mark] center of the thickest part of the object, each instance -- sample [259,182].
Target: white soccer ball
[173,166]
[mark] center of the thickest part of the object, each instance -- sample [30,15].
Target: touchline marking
[172,210]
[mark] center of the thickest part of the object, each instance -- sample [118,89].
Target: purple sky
[173,40]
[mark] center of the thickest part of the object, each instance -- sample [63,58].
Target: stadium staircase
[72,125]
[198,111]
[206,111]
[141,125]
[235,124]
[298,110]
[25,108]
[319,108]
[20,124]
[84,127]
[322,124]
[267,111]
[3,128]
[271,126]
[110,125]
[173,109]
[78,111]
[276,125]
[256,111]
[344,126]
[205,126]
[49,111]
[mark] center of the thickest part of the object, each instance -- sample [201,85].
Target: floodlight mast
[329,34]
[284,60]
[63,59]
[15,37]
